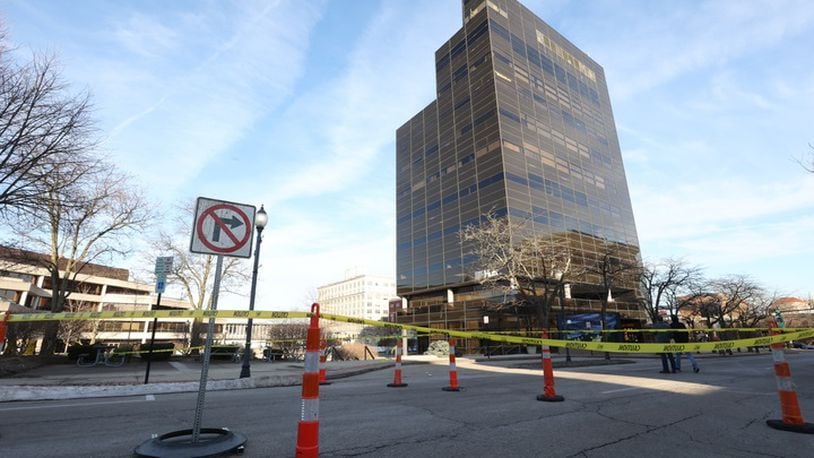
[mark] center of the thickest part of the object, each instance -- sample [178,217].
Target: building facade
[358,295]
[26,287]
[521,128]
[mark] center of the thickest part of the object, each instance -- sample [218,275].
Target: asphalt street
[609,411]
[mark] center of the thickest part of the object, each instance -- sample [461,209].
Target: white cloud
[686,210]
[652,49]
[247,62]
[145,35]
[389,77]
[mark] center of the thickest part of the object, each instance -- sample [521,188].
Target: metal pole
[152,342]
[245,370]
[562,321]
[210,331]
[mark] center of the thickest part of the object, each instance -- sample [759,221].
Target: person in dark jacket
[664,337]
[682,337]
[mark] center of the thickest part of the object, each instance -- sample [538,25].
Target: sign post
[221,229]
[163,266]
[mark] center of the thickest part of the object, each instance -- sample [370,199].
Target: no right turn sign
[222,228]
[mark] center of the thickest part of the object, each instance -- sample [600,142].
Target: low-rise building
[359,296]
[25,286]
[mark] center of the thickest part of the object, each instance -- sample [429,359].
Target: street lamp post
[260,221]
[558,274]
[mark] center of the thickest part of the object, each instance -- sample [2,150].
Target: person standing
[682,337]
[664,337]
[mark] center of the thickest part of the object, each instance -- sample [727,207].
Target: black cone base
[555,398]
[805,428]
[449,388]
[178,444]
[396,385]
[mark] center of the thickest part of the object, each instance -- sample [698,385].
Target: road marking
[84,404]
[621,389]
[150,397]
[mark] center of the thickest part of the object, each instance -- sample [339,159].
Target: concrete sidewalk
[67,381]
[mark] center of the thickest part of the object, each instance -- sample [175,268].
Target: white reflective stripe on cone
[452,366]
[778,356]
[312,362]
[785,384]
[310,410]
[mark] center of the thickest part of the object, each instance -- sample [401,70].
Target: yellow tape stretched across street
[129,315]
[619,347]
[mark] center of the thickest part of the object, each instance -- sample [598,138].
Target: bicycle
[104,356]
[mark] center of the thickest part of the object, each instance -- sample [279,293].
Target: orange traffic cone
[397,375]
[453,370]
[308,426]
[549,394]
[323,358]
[792,418]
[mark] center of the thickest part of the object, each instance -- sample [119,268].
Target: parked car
[802,345]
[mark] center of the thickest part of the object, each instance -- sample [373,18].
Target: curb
[46,393]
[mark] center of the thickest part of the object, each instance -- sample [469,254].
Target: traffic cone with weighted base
[549,394]
[453,370]
[397,375]
[323,358]
[308,426]
[792,418]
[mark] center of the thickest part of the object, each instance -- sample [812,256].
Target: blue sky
[294,104]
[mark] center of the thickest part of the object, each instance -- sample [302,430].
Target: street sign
[160,285]
[163,265]
[222,228]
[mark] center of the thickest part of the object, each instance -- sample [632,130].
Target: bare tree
[72,329]
[289,337]
[615,265]
[87,214]
[42,128]
[757,309]
[720,300]
[529,268]
[808,162]
[195,273]
[666,282]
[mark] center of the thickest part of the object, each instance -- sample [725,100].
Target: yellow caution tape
[122,315]
[621,347]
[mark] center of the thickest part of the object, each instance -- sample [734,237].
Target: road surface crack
[650,429]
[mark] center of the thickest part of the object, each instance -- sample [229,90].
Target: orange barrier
[308,426]
[323,358]
[549,394]
[792,418]
[453,370]
[397,375]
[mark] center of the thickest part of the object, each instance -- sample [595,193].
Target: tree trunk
[50,330]
[603,324]
[197,327]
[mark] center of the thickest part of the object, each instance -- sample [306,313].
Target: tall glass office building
[521,127]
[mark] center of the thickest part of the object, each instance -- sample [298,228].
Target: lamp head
[261,218]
